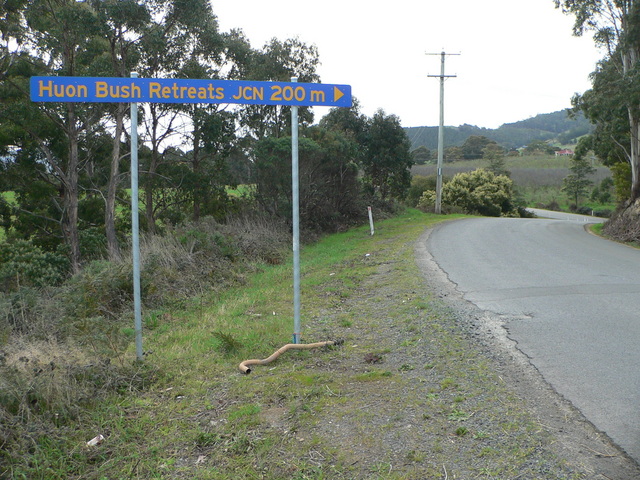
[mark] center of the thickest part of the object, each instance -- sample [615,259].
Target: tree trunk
[197,189]
[153,166]
[70,185]
[196,167]
[629,59]
[148,195]
[113,249]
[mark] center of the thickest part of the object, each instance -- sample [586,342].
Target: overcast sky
[518,58]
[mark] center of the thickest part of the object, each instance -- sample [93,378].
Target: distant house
[564,153]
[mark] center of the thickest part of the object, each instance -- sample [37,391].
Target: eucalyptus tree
[191,46]
[382,149]
[11,31]
[55,39]
[279,61]
[122,24]
[350,121]
[387,160]
[616,28]
[211,129]
[176,39]
[473,147]
[328,178]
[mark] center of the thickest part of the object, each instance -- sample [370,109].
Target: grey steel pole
[438,207]
[296,221]
[135,238]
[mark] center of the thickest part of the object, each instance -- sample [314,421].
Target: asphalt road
[571,301]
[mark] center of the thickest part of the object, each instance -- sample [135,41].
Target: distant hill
[556,126]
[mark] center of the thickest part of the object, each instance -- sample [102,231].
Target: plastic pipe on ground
[244,366]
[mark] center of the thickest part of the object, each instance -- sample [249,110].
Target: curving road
[571,300]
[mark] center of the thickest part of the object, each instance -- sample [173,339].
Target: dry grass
[65,349]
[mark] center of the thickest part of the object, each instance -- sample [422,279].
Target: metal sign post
[135,235]
[296,221]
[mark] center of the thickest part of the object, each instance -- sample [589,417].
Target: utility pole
[442,76]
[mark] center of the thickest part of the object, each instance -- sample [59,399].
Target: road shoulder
[577,441]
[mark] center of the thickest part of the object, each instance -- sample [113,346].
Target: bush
[427,204]
[427,201]
[93,243]
[621,173]
[24,264]
[419,184]
[481,192]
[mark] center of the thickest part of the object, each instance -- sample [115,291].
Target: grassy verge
[407,396]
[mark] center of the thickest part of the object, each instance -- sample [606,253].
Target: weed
[414,456]
[227,343]
[448,383]
[458,415]
[205,439]
[373,376]
[244,411]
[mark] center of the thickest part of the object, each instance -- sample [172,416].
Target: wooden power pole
[442,77]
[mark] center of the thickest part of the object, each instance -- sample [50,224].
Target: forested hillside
[550,126]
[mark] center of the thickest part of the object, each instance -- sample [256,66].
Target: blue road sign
[134,90]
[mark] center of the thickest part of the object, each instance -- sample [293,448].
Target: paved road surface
[571,300]
[569,217]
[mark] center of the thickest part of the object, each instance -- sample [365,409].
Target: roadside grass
[407,396]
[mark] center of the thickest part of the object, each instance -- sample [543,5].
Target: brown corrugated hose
[244,366]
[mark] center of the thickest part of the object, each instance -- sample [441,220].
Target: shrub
[93,243]
[419,184]
[427,201]
[621,173]
[480,192]
[24,264]
[427,204]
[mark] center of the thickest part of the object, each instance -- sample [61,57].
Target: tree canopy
[612,103]
[66,164]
